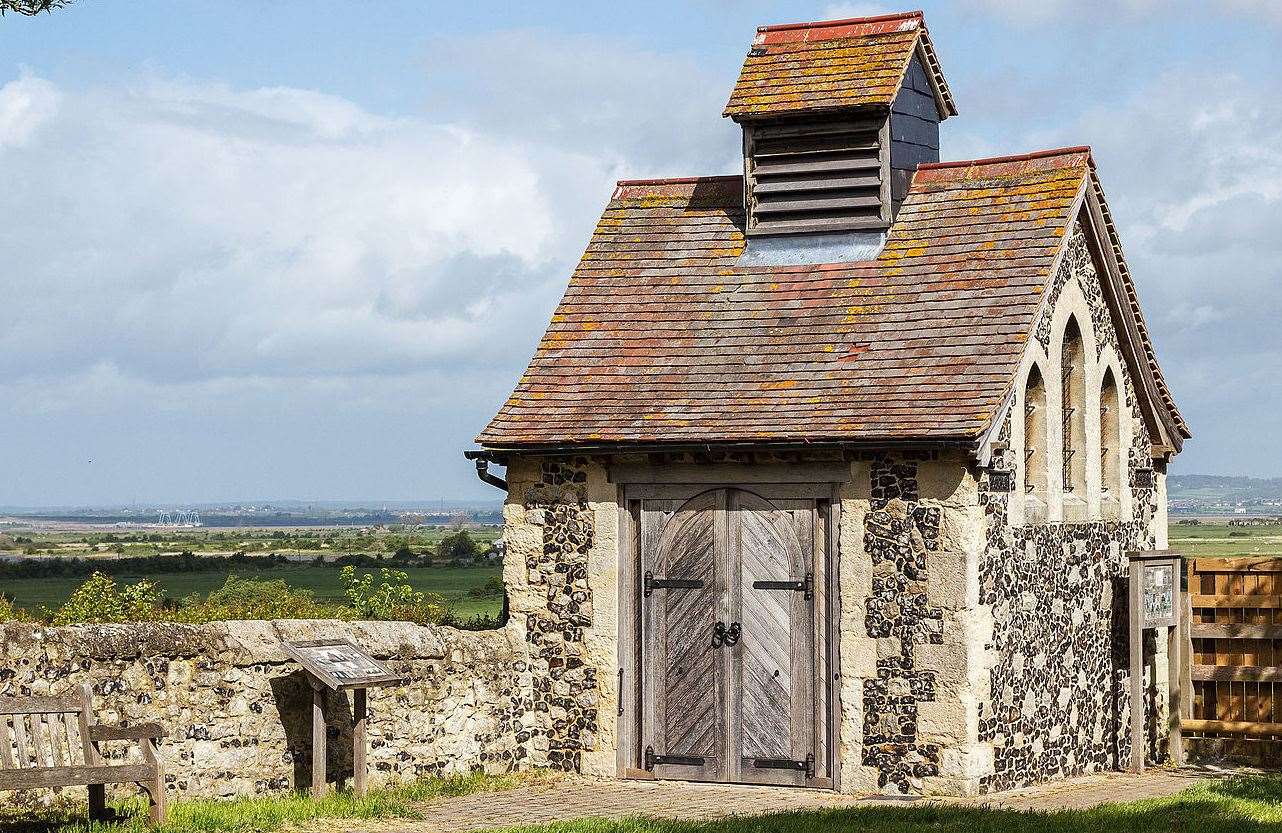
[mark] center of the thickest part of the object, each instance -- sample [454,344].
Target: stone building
[826,474]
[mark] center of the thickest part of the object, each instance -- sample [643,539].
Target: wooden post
[318,742]
[1174,700]
[156,788]
[1177,665]
[1137,667]
[359,715]
[97,792]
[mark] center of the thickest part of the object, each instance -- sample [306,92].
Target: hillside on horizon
[1210,493]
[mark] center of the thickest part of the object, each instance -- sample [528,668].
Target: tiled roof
[806,67]
[663,338]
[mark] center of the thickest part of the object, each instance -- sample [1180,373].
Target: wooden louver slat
[816,176]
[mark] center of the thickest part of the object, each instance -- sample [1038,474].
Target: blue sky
[288,250]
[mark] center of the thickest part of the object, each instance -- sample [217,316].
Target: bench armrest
[138,731]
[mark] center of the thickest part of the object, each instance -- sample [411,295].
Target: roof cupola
[836,116]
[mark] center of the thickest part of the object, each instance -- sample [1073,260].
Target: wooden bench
[53,742]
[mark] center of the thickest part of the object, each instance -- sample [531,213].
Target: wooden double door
[732,642]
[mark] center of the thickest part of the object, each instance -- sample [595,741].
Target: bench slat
[73,739]
[138,731]
[41,704]
[57,740]
[6,756]
[39,743]
[20,740]
[74,776]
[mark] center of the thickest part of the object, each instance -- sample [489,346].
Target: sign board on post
[339,665]
[1154,603]
[1158,589]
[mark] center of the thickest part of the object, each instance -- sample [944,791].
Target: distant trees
[459,547]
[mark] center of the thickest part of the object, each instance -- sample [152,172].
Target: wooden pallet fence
[1231,662]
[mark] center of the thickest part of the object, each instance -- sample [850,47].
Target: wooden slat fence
[1233,663]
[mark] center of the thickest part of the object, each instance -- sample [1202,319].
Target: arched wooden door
[728,647]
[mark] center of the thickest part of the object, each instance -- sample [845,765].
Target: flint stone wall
[238,710]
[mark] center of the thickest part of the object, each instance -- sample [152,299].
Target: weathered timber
[1237,673]
[1235,631]
[44,747]
[1235,727]
[1244,600]
[74,776]
[138,731]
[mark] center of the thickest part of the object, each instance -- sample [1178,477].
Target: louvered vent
[808,176]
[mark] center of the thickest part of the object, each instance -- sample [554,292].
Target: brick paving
[574,797]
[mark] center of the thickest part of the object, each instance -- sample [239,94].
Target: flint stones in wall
[898,534]
[238,710]
[1057,704]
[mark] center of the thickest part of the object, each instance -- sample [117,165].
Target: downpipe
[483,470]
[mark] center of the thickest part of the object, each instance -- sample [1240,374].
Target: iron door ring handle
[727,637]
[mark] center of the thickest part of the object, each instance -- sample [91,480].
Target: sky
[305,249]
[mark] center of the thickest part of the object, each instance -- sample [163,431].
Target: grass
[263,815]
[1212,540]
[451,582]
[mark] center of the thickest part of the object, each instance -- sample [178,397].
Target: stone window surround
[1071,303]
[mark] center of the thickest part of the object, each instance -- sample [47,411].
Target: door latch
[650,583]
[652,760]
[807,766]
[721,635]
[805,586]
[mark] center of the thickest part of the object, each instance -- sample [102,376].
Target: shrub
[242,598]
[10,613]
[391,599]
[492,587]
[100,599]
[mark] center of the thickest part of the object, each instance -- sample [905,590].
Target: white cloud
[254,283]
[183,231]
[1197,190]
[25,105]
[649,113]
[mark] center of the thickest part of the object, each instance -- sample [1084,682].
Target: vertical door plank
[628,714]
[685,684]
[774,542]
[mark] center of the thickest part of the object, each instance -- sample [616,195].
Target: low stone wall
[238,710]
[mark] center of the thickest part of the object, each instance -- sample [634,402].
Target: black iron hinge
[651,583]
[806,585]
[652,760]
[807,766]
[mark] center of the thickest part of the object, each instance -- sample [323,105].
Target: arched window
[1073,412]
[1110,452]
[1035,446]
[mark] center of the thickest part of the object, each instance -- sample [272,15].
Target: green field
[1219,540]
[451,582]
[186,562]
[1209,539]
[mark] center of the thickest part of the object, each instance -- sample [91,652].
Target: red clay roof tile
[803,67]
[662,337]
